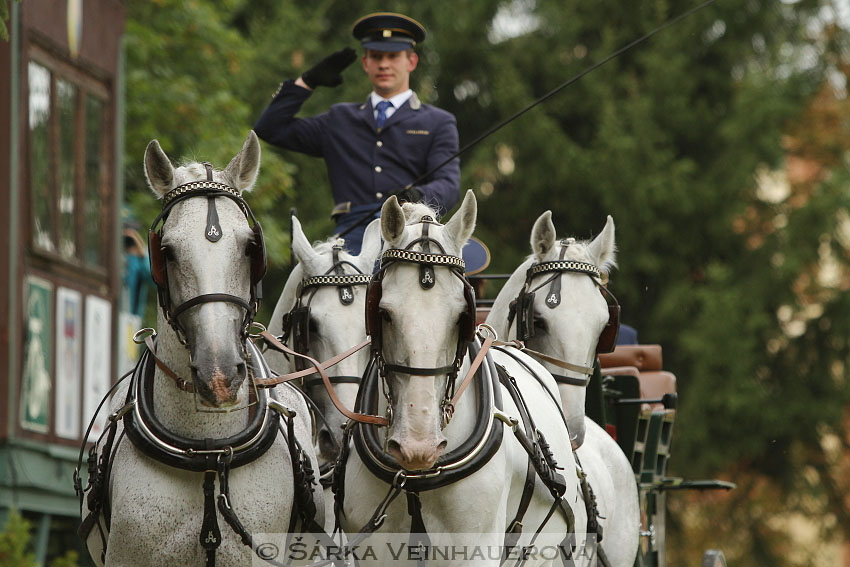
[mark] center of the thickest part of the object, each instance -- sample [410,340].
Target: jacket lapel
[367,113]
[410,107]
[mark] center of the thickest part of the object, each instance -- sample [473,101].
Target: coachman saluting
[376,148]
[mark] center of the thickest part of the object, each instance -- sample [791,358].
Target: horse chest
[157,510]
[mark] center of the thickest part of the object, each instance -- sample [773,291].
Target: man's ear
[412,61]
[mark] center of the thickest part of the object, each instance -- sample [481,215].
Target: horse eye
[539,323]
[385,315]
[168,254]
[313,326]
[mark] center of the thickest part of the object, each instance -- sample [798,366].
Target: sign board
[69,348]
[96,362]
[36,379]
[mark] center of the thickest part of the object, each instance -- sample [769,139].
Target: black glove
[328,71]
[412,195]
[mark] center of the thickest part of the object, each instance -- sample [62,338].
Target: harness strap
[277,345]
[540,456]
[514,530]
[418,539]
[346,294]
[210,298]
[586,370]
[319,368]
[178,381]
[210,536]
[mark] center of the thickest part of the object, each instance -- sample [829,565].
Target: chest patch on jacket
[418,132]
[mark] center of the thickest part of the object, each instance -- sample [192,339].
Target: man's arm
[278,125]
[442,188]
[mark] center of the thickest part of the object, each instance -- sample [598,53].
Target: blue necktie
[382,112]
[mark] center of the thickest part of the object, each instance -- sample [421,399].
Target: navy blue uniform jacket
[364,165]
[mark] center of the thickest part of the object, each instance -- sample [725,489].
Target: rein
[319,368]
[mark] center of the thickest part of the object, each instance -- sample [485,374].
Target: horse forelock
[413,212]
[413,215]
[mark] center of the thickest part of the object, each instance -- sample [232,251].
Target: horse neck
[175,409]
[498,317]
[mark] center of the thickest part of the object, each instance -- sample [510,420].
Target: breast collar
[475,452]
[154,440]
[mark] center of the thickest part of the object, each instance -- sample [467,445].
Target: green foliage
[4,17]
[70,559]
[15,542]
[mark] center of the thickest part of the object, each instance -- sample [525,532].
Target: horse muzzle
[219,389]
[416,455]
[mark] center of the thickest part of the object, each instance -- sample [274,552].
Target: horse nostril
[241,369]
[442,446]
[393,447]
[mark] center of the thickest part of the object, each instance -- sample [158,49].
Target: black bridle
[427,278]
[296,323]
[256,251]
[522,308]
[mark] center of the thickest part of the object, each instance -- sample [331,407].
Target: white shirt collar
[397,100]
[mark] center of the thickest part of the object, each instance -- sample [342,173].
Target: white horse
[462,491]
[567,321]
[320,313]
[206,260]
[335,300]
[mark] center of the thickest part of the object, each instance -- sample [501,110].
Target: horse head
[419,319]
[320,312]
[206,260]
[560,310]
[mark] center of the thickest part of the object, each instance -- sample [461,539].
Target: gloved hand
[328,71]
[412,195]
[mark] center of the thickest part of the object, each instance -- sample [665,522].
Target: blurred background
[719,146]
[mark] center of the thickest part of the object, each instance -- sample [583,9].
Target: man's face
[389,71]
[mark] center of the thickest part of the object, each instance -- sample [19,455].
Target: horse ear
[371,247]
[158,169]
[245,165]
[462,224]
[602,249]
[543,236]
[392,220]
[301,247]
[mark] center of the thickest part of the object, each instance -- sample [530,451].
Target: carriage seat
[644,433]
[644,362]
